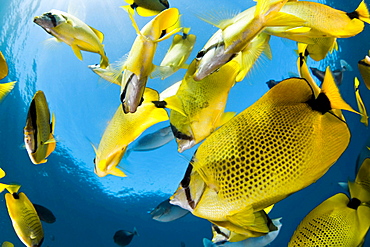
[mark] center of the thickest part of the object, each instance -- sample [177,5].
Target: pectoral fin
[116,172]
[77,51]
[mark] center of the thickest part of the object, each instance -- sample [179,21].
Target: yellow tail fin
[363,12]
[360,104]
[330,89]
[5,88]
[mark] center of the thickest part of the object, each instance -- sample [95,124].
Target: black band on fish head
[52,18]
[180,135]
[363,63]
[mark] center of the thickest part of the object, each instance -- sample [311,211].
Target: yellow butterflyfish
[25,220]
[147,7]
[39,130]
[321,21]
[237,32]
[138,66]
[74,32]
[124,129]
[203,103]
[339,220]
[279,145]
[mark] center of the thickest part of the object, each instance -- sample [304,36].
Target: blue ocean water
[89,209]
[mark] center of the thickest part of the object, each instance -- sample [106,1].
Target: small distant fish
[25,220]
[166,212]
[272,83]
[7,244]
[250,242]
[39,130]
[147,7]
[153,140]
[45,214]
[109,74]
[176,56]
[139,64]
[339,219]
[124,129]
[361,106]
[338,73]
[364,68]
[74,32]
[123,237]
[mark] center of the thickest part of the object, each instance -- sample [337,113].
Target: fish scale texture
[330,229]
[275,147]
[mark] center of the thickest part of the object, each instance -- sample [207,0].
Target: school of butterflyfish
[246,162]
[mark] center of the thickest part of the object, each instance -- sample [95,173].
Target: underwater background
[89,209]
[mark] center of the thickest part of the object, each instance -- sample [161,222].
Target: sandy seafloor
[89,209]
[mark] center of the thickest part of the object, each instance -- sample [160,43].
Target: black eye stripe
[202,52]
[52,18]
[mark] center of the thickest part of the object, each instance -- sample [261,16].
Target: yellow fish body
[176,56]
[147,7]
[281,144]
[3,66]
[361,106]
[138,66]
[203,103]
[321,21]
[124,129]
[364,68]
[339,221]
[5,88]
[26,222]
[74,32]
[39,130]
[238,32]
[7,244]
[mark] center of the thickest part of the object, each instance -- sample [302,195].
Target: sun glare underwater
[113,210]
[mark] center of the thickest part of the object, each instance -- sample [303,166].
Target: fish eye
[200,55]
